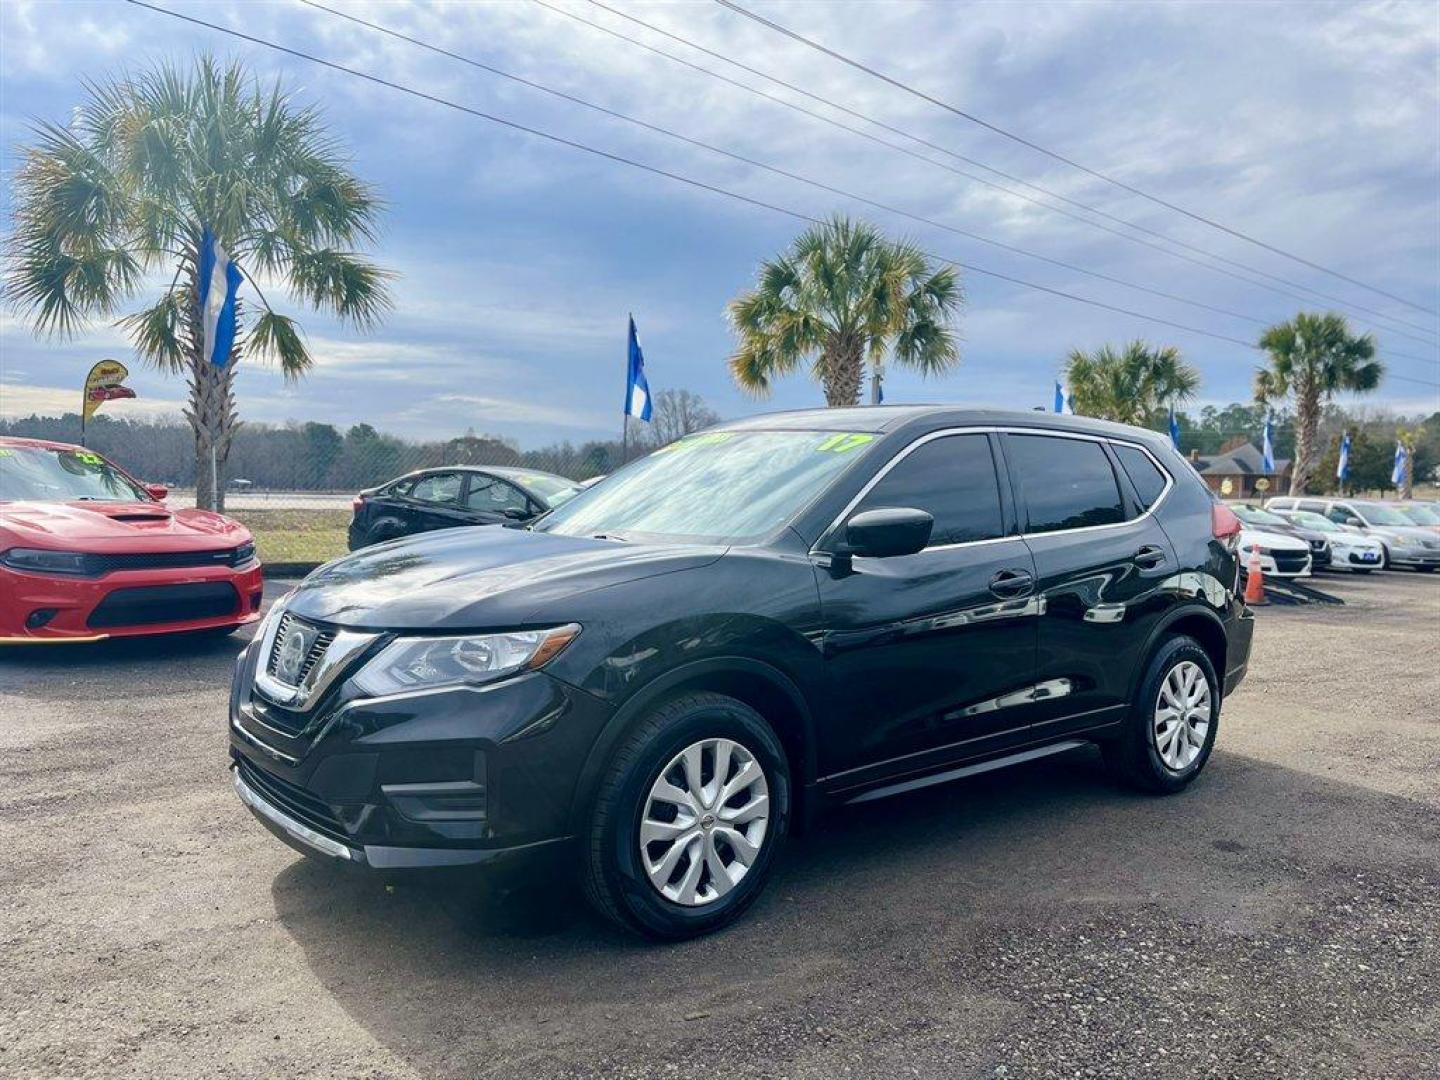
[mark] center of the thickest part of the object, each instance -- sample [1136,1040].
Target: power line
[847,110]
[656,170]
[1122,185]
[820,185]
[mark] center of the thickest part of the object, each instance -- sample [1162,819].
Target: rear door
[929,656]
[434,502]
[1103,564]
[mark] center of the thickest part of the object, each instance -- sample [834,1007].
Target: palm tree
[126,191]
[1312,358]
[1129,385]
[842,295]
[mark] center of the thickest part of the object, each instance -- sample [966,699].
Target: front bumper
[1294,566]
[126,603]
[1414,557]
[465,778]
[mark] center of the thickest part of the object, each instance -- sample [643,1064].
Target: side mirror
[514,513]
[158,492]
[1354,522]
[887,532]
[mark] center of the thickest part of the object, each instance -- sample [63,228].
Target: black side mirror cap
[887,532]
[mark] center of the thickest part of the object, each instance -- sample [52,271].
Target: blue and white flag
[1267,450]
[1174,429]
[1397,474]
[1064,403]
[637,389]
[219,281]
[1342,468]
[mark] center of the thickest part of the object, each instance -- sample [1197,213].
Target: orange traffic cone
[1254,582]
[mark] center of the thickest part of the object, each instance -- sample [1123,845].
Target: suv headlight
[410,663]
[41,561]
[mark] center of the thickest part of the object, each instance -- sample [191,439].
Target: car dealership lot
[1278,918]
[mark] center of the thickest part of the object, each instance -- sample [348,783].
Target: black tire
[1426,569]
[1385,558]
[382,531]
[615,880]
[1132,756]
[1361,570]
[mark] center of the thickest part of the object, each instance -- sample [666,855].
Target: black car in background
[455,495]
[658,682]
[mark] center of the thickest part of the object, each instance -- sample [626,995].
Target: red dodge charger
[87,552]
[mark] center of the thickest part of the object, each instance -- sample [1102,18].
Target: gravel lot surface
[1280,918]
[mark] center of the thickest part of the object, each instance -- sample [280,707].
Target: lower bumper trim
[292,828]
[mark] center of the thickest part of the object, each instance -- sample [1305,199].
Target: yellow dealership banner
[103,384]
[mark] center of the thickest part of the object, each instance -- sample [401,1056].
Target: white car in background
[1350,549]
[1281,554]
[1405,543]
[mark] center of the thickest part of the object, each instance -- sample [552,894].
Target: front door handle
[1012,583]
[1149,557]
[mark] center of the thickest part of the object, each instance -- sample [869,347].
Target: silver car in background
[1406,544]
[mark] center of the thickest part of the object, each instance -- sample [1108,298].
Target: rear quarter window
[1147,477]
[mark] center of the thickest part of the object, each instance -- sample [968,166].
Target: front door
[434,502]
[931,655]
[1104,567]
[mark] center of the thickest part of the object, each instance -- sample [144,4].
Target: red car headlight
[41,561]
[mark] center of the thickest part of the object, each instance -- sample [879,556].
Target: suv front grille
[302,805]
[276,665]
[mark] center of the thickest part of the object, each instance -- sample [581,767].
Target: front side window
[494,496]
[40,474]
[1376,514]
[437,488]
[1066,483]
[716,487]
[1149,481]
[951,479]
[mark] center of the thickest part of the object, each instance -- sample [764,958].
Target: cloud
[18,401]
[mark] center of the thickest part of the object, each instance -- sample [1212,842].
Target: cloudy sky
[1313,127]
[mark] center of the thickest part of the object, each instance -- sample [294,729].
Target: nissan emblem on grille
[292,648]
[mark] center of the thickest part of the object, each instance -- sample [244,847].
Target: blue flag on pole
[1342,468]
[219,281]
[1397,474]
[1267,451]
[1174,429]
[637,389]
[1064,403]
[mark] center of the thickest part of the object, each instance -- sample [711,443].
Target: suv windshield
[1376,514]
[39,474]
[720,486]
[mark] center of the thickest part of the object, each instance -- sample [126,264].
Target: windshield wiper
[609,536]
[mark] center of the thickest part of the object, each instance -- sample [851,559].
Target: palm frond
[158,332]
[278,338]
[342,282]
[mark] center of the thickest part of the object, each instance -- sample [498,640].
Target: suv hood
[116,526]
[477,578]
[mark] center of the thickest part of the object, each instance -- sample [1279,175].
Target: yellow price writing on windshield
[844,442]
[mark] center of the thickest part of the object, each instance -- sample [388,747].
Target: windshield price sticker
[844,442]
[88,458]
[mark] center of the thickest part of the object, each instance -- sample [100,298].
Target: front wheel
[1168,736]
[689,818]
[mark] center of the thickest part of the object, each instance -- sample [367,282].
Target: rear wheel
[689,818]
[1168,736]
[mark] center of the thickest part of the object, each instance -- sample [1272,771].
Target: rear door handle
[1012,583]
[1149,557]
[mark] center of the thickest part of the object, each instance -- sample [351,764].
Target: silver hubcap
[704,822]
[1182,715]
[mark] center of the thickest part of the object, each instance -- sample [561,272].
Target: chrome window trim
[818,547]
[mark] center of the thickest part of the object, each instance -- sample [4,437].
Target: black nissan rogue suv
[665,676]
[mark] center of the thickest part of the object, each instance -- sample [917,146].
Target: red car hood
[116,526]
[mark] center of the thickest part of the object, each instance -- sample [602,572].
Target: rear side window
[1149,481]
[953,480]
[1311,506]
[1065,483]
[437,488]
[488,493]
